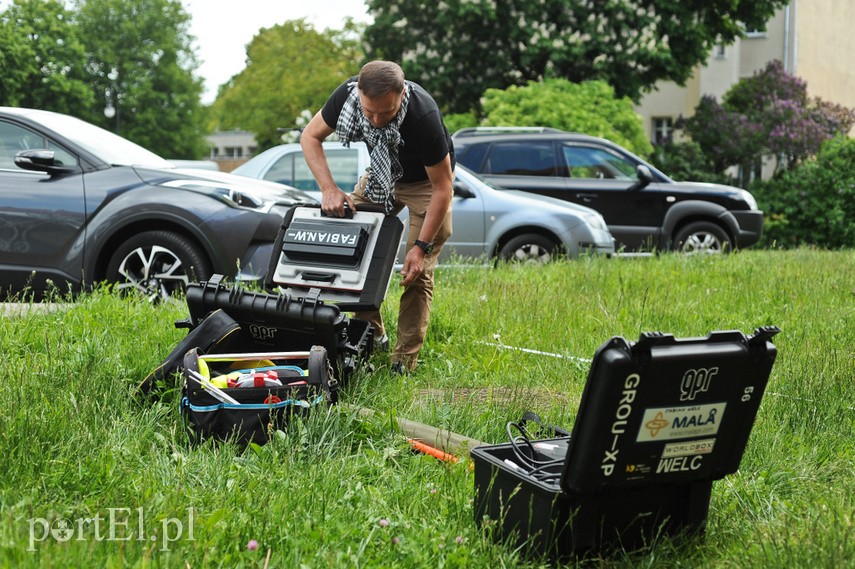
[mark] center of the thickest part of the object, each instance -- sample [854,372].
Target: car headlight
[243,199]
[749,199]
[596,221]
[234,197]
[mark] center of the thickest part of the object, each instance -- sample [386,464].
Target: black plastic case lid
[348,260]
[663,410]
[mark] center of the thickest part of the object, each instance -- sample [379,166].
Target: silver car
[488,224]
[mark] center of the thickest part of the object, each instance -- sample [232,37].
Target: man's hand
[440,176]
[311,140]
[414,266]
[333,202]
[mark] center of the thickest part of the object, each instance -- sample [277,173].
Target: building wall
[759,48]
[721,71]
[825,42]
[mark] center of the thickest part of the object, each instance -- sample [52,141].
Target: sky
[222,29]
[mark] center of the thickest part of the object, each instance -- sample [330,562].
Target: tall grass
[336,490]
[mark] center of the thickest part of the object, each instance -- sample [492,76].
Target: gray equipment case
[348,259]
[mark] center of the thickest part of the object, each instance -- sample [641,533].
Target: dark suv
[644,208]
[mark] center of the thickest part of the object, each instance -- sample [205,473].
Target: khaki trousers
[414,310]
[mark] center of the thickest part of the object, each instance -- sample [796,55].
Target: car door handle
[586,197]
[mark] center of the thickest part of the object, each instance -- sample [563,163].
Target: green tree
[291,67]
[42,61]
[463,47]
[589,107]
[141,64]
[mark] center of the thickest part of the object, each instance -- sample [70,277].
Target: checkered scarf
[385,170]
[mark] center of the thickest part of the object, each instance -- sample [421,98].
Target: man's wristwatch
[424,246]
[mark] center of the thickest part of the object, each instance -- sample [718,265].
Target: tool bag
[217,332]
[247,397]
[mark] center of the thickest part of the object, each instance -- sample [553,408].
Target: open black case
[321,267]
[658,422]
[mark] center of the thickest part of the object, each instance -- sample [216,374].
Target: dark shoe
[381,344]
[399,369]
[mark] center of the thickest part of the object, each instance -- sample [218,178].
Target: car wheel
[157,264]
[702,237]
[530,249]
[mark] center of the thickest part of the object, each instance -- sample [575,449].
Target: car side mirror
[461,190]
[645,176]
[42,160]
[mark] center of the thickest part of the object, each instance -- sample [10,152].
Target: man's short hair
[379,78]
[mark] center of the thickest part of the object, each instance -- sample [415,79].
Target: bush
[813,204]
[589,107]
[456,121]
[686,161]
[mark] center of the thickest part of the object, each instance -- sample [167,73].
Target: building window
[663,129]
[755,34]
[233,151]
[719,51]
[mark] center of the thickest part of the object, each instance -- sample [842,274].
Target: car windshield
[102,143]
[471,177]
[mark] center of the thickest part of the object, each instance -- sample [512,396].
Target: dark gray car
[644,208]
[79,205]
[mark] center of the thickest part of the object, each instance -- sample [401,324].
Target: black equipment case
[320,268]
[281,323]
[658,422]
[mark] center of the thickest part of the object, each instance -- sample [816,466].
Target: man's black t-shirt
[424,139]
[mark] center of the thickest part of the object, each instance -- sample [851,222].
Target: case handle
[320,277]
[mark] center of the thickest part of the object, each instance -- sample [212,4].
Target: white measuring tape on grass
[502,346]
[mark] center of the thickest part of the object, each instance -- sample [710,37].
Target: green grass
[76,445]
